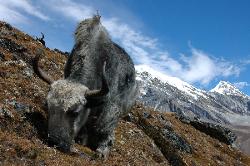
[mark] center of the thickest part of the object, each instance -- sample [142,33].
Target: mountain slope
[144,137]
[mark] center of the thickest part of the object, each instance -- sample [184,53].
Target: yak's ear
[99,93]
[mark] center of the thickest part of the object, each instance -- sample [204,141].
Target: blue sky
[201,42]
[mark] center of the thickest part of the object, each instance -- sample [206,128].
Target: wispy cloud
[15,11]
[70,9]
[197,67]
[241,85]
[246,62]
[11,16]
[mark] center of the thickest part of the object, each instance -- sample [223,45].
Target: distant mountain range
[224,104]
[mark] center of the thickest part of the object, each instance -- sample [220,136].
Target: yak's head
[69,105]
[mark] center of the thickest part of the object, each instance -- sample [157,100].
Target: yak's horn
[38,70]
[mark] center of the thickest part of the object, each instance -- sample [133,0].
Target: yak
[98,88]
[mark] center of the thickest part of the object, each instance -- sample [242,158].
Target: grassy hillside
[145,137]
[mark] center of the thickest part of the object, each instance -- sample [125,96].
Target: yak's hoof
[102,153]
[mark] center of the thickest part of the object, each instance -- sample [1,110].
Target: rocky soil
[144,137]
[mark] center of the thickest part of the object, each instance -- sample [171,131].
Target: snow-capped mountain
[226,88]
[225,104]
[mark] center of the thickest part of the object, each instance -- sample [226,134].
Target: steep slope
[144,137]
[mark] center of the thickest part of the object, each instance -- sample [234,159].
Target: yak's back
[87,58]
[121,68]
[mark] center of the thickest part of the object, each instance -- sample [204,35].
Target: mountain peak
[226,88]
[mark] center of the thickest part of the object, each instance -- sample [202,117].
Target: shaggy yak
[99,87]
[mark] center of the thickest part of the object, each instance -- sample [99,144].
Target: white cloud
[14,11]
[241,85]
[201,67]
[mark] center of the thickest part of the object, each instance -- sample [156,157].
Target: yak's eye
[75,111]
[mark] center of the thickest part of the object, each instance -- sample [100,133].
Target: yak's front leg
[105,145]
[82,137]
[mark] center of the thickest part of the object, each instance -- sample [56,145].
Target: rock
[28,72]
[7,30]
[61,52]
[32,154]
[170,143]
[177,141]
[11,45]
[129,117]
[20,107]
[6,113]
[183,118]
[8,26]
[168,125]
[223,134]
[146,115]
[41,163]
[19,62]
[1,56]
[216,131]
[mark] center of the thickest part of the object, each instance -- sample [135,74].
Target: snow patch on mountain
[174,81]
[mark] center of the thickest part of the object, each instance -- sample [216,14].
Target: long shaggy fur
[93,47]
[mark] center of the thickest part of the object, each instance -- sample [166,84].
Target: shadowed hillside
[144,137]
